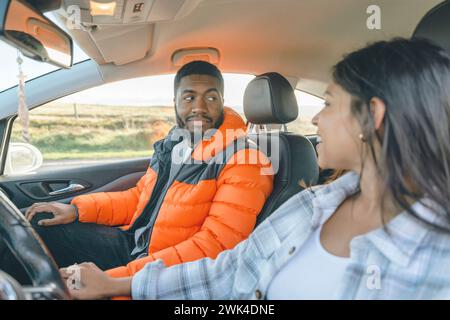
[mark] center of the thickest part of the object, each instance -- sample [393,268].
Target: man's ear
[378,110]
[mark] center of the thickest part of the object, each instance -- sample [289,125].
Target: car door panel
[112,176]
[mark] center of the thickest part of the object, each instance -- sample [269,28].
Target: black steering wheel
[32,253]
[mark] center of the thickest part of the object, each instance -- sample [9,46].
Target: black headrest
[45,5]
[269,99]
[435,25]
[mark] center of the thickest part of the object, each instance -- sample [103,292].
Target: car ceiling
[300,39]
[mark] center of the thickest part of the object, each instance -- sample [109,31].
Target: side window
[308,105]
[115,121]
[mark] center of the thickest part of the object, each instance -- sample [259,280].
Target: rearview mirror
[36,36]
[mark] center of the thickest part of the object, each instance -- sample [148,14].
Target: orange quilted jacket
[207,209]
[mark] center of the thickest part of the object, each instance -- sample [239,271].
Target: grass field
[94,132]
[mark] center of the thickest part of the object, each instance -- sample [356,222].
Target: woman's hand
[88,282]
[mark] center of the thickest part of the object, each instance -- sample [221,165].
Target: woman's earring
[361,136]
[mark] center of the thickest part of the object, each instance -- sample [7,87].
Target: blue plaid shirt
[405,260]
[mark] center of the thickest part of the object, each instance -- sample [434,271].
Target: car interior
[287,45]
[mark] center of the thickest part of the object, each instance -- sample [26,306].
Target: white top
[312,273]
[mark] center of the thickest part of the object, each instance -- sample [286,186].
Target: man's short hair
[198,67]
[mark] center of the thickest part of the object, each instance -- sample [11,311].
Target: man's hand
[62,213]
[96,284]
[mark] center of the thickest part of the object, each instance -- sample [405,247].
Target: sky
[158,91]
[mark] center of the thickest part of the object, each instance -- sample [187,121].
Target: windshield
[31,68]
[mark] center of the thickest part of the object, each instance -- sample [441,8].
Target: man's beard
[181,124]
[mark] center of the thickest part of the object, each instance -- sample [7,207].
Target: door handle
[71,188]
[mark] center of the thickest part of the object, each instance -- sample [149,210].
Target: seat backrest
[269,100]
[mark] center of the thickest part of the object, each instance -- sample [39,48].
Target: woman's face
[339,132]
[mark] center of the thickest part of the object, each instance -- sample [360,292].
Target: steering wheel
[32,253]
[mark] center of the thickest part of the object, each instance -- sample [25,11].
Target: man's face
[199,103]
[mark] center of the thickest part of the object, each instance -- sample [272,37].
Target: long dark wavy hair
[412,78]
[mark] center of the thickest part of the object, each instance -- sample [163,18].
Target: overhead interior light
[103,8]
[185,55]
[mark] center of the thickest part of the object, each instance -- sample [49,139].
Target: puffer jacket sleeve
[242,190]
[110,208]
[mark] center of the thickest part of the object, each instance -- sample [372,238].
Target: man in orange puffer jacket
[200,195]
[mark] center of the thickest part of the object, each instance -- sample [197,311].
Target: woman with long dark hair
[381,231]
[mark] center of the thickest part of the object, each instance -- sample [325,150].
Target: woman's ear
[378,110]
